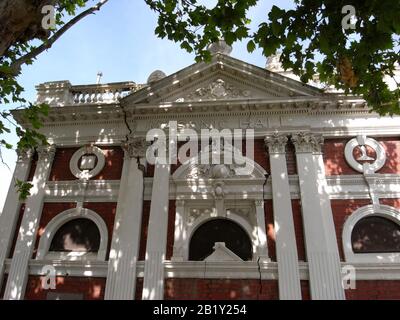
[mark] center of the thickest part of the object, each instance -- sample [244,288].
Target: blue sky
[119,41]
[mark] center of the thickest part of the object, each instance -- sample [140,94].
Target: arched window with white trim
[230,237]
[372,234]
[75,234]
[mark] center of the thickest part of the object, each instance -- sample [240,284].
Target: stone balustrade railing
[61,93]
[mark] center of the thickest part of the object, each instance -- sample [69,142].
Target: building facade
[317,217]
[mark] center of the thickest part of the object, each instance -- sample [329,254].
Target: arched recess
[58,221]
[241,222]
[382,211]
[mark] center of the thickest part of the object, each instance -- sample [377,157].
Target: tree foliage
[310,37]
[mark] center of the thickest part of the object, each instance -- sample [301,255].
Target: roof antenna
[99,75]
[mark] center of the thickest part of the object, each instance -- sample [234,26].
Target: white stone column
[180,243]
[124,253]
[153,282]
[11,210]
[321,246]
[18,275]
[285,239]
[262,248]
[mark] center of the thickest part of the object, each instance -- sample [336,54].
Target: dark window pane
[374,235]
[219,230]
[77,235]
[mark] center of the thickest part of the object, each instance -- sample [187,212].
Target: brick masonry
[375,290]
[210,289]
[336,164]
[114,157]
[91,288]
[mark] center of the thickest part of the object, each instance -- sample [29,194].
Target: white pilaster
[153,282]
[261,231]
[321,246]
[285,239]
[9,215]
[121,275]
[18,275]
[180,243]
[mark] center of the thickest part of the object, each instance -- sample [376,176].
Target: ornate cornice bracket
[306,142]
[136,147]
[46,152]
[276,143]
[24,155]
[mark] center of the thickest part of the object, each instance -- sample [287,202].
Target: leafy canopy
[310,37]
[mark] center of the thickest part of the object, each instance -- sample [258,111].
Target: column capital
[46,152]
[259,203]
[276,142]
[135,147]
[306,142]
[24,155]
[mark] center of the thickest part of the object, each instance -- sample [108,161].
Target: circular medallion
[87,162]
[364,162]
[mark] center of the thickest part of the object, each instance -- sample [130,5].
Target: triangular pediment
[224,78]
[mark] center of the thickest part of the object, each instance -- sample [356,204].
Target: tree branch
[16,65]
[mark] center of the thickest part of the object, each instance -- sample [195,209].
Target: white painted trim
[363,212]
[232,217]
[87,174]
[64,217]
[366,167]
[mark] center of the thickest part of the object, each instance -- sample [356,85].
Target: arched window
[219,230]
[375,234]
[371,234]
[74,234]
[78,235]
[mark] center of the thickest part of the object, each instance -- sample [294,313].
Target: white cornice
[213,270]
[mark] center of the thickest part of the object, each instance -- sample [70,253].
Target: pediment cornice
[113,113]
[221,66]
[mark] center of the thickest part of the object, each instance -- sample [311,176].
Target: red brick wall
[106,210]
[261,155]
[375,290]
[145,226]
[341,209]
[114,157]
[270,229]
[92,288]
[16,232]
[210,289]
[171,229]
[143,232]
[299,229]
[291,159]
[139,289]
[3,285]
[33,166]
[336,164]
[305,290]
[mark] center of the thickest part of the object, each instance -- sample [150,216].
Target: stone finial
[220,47]
[273,63]
[155,76]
